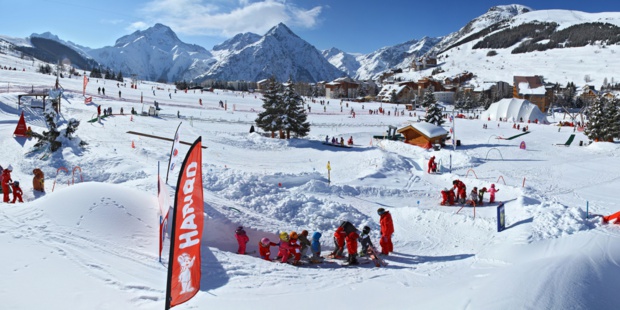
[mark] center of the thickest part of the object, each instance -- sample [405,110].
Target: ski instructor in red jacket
[387,229]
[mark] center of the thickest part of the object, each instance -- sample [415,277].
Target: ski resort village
[477,170]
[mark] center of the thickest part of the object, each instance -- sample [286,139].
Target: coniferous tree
[294,118]
[598,126]
[434,114]
[428,97]
[270,120]
[614,119]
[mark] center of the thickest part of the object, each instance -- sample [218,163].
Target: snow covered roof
[385,94]
[524,89]
[513,108]
[427,129]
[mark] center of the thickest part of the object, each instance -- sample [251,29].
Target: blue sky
[360,26]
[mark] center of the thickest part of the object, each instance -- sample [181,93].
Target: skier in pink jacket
[242,239]
[284,251]
[492,192]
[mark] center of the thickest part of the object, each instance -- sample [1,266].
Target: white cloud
[138,26]
[226,18]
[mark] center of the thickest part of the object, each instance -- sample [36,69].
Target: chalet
[399,92]
[424,63]
[341,88]
[424,134]
[262,85]
[533,89]
[588,93]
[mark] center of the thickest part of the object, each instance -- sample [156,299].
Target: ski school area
[92,219]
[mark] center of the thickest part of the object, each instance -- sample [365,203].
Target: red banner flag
[88,100]
[84,88]
[187,223]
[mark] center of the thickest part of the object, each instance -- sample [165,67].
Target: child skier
[339,242]
[481,195]
[17,192]
[242,239]
[316,247]
[473,197]
[431,164]
[492,192]
[352,247]
[461,190]
[365,240]
[294,247]
[304,242]
[283,252]
[6,179]
[264,248]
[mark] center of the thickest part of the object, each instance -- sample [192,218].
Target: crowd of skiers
[458,193]
[292,247]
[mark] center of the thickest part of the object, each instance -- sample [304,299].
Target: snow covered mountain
[371,65]
[155,54]
[279,53]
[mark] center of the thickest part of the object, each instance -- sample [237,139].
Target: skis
[372,253]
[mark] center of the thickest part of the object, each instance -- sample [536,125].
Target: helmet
[293,235]
[283,236]
[366,230]
[240,230]
[265,241]
[454,182]
[380,211]
[16,183]
[445,189]
[492,185]
[316,235]
[9,168]
[304,233]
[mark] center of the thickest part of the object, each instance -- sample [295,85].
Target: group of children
[476,197]
[292,247]
[334,140]
[6,182]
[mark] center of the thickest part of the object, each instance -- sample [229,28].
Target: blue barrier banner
[501,217]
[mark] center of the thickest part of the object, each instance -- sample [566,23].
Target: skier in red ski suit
[339,242]
[461,190]
[6,178]
[17,192]
[431,165]
[264,248]
[352,247]
[387,229]
[295,247]
[242,239]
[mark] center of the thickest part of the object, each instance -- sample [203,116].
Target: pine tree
[119,77]
[598,126]
[294,118]
[270,120]
[434,114]
[614,119]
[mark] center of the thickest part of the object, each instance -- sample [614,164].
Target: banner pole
[172,150]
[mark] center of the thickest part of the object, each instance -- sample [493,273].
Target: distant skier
[284,250]
[481,195]
[431,165]
[339,242]
[492,192]
[461,190]
[473,197]
[387,229]
[294,247]
[242,239]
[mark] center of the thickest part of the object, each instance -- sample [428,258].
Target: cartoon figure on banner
[185,277]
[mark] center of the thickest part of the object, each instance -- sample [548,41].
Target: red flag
[21,130]
[187,223]
[88,100]
[84,88]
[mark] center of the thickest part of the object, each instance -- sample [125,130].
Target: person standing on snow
[461,190]
[387,229]
[352,247]
[365,240]
[339,242]
[492,192]
[294,247]
[284,250]
[316,247]
[304,242]
[242,239]
[481,195]
[6,179]
[431,164]
[17,192]
[264,248]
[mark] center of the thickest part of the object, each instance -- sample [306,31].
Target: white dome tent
[514,109]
